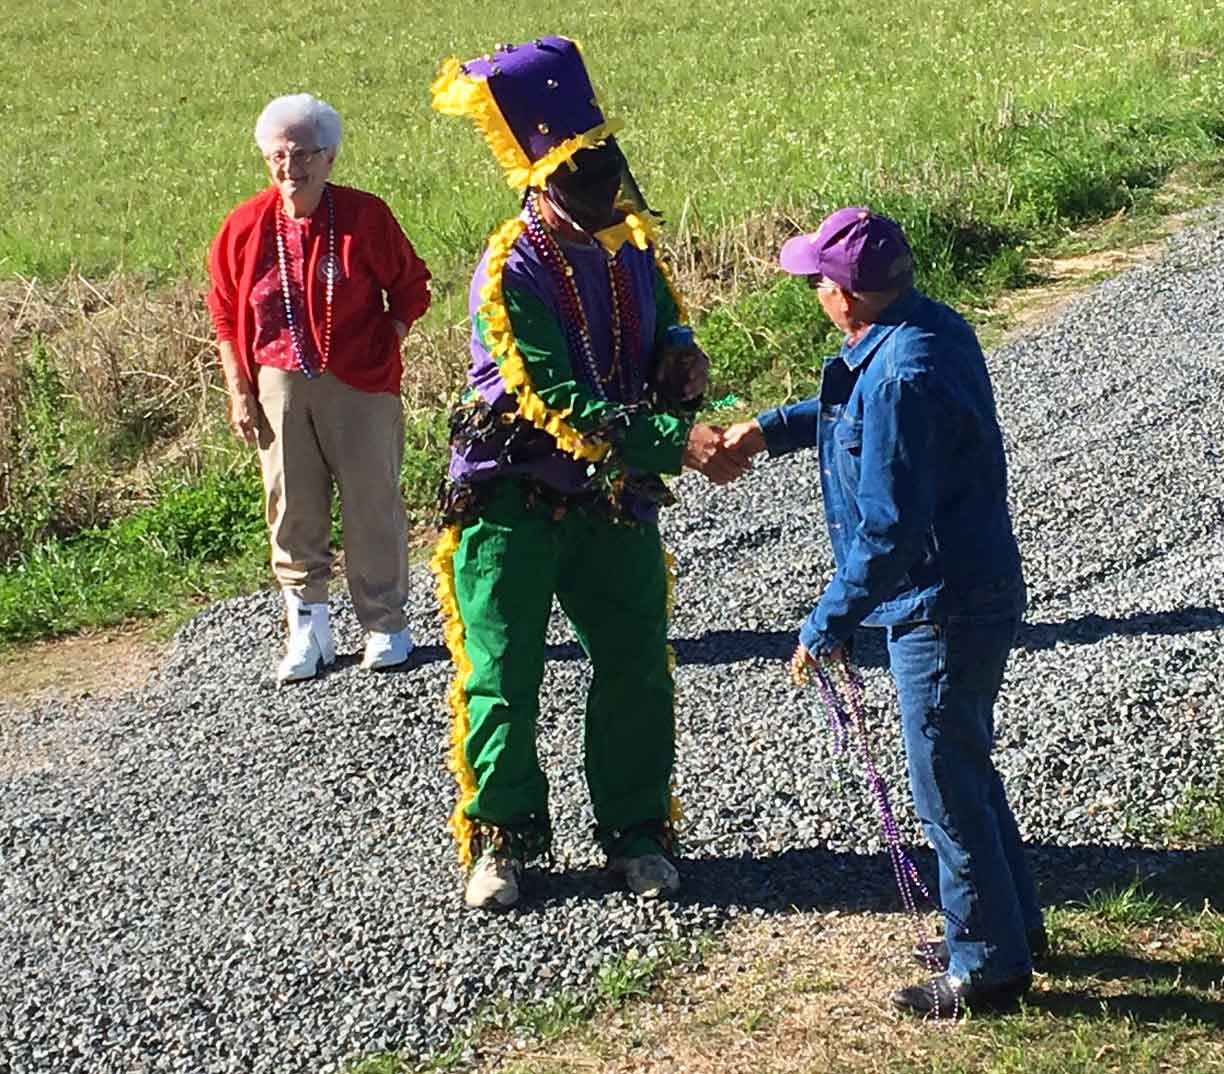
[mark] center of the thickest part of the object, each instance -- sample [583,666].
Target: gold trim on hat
[456,93]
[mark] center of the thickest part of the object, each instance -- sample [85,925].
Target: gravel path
[213,875]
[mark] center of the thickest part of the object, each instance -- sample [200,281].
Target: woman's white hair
[298,110]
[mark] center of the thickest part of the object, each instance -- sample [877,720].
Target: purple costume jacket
[526,280]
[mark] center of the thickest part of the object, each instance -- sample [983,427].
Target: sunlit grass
[990,129]
[1198,819]
[792,995]
[135,149]
[1130,906]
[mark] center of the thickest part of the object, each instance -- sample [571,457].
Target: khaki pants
[311,433]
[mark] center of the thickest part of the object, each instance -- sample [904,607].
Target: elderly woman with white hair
[314,287]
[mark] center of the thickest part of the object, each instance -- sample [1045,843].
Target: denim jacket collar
[855,354]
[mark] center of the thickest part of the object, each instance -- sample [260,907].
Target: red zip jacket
[376,259]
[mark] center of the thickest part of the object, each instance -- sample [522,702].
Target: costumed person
[314,287]
[914,483]
[582,390]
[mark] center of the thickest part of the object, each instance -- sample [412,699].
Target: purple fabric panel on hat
[866,250]
[543,92]
[854,247]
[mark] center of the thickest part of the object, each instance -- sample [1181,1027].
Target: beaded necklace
[842,693]
[625,318]
[295,330]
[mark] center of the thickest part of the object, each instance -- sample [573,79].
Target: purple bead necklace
[842,693]
[573,316]
[295,330]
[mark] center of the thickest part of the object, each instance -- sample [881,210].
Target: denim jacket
[913,476]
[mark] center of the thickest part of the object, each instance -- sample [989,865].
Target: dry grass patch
[717,265]
[109,385]
[803,993]
[1062,279]
[1120,242]
[98,663]
[106,386]
[98,378]
[810,994]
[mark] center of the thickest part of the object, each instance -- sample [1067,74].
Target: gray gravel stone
[212,874]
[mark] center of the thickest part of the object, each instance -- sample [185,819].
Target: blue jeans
[948,675]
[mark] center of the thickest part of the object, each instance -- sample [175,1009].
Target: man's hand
[706,452]
[745,438]
[802,661]
[683,374]
[244,414]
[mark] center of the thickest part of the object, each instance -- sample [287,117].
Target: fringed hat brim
[456,93]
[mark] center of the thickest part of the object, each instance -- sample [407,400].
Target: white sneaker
[386,650]
[311,646]
[303,658]
[493,883]
[649,875]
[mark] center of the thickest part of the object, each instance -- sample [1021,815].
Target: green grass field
[992,130]
[127,125]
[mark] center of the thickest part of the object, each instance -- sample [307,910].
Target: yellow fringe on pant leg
[675,811]
[443,566]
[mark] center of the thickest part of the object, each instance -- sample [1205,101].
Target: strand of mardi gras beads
[843,698]
[620,285]
[295,330]
[625,322]
[626,366]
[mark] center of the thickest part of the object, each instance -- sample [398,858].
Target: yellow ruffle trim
[539,172]
[639,230]
[510,362]
[455,93]
[676,810]
[443,566]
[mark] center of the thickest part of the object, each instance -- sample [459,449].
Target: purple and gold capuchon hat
[533,102]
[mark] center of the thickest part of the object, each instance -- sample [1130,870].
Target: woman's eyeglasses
[280,157]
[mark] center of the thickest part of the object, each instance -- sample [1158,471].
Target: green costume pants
[611,581]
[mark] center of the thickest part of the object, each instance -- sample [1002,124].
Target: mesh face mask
[599,180]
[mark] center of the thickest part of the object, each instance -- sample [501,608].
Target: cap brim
[799,256]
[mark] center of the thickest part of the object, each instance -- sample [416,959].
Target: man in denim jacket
[915,492]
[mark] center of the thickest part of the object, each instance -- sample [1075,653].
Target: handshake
[723,454]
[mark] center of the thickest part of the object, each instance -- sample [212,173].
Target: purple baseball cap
[857,249]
